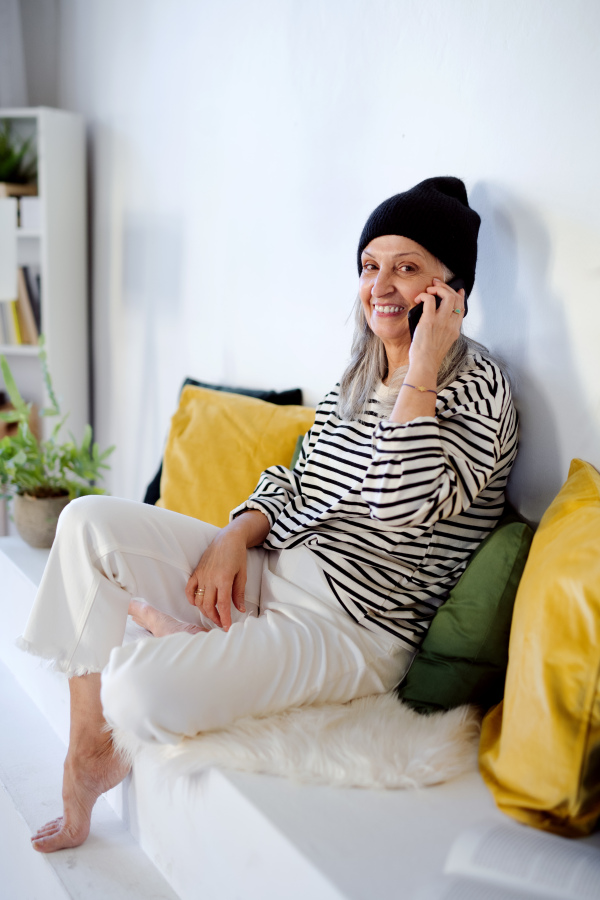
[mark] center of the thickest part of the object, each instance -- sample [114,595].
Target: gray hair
[368,367]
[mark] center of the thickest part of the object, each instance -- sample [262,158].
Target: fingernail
[439,280]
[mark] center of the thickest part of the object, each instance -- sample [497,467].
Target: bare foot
[85,778]
[156,622]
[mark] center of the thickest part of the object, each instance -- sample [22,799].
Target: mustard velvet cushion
[218,445]
[540,747]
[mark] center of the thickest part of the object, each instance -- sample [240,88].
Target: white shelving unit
[59,249]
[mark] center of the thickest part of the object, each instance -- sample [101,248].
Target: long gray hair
[368,367]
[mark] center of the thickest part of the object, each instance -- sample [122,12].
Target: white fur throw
[373,742]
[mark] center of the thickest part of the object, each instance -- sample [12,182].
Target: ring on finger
[199,592]
[457,311]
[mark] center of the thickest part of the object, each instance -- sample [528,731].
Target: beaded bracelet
[421,388]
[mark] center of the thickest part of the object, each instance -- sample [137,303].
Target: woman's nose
[382,284]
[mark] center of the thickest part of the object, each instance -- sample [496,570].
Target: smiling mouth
[387,309]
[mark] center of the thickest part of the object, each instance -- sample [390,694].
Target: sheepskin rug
[373,742]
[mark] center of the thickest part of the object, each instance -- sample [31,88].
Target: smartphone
[417,311]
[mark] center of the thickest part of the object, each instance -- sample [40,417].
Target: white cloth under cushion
[294,645]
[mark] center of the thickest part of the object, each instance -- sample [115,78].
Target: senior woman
[326,579]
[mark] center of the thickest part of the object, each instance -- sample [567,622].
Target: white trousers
[294,645]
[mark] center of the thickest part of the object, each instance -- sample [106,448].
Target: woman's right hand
[221,572]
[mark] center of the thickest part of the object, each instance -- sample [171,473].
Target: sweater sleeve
[433,468]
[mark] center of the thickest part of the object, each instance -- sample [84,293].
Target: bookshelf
[58,252]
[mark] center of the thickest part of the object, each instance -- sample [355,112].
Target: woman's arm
[427,468]
[430,468]
[221,571]
[437,330]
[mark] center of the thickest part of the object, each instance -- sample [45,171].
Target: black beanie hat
[435,214]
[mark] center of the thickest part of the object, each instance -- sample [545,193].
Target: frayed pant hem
[61,665]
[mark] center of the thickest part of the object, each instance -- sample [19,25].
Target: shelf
[19,349]
[28,233]
[55,244]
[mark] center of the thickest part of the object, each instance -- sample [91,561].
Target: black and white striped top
[394,511]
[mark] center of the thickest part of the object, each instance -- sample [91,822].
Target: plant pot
[17,190]
[36,517]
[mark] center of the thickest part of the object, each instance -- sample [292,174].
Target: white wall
[238,146]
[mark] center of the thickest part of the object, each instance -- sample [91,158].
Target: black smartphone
[417,311]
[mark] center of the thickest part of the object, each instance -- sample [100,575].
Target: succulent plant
[18,162]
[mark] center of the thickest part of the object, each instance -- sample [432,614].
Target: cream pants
[294,645]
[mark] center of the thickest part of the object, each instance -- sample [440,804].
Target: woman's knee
[78,513]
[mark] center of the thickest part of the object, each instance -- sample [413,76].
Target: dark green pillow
[297,450]
[464,655]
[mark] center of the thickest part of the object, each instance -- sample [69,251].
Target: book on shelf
[507,861]
[16,325]
[27,322]
[20,319]
[32,275]
[9,318]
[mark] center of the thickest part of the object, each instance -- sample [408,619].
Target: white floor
[110,864]
[219,835]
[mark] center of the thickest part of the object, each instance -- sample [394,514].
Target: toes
[65,836]
[137,610]
[48,828]
[57,835]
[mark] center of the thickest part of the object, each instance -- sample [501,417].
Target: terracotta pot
[36,518]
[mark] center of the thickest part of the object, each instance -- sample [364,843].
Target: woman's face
[395,270]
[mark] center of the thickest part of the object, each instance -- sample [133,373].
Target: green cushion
[464,655]
[297,450]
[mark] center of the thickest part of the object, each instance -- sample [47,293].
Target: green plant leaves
[21,408]
[18,164]
[45,467]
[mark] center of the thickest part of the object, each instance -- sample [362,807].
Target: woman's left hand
[439,328]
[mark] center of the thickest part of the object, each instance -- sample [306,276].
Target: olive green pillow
[297,450]
[464,655]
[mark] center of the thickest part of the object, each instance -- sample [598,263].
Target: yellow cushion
[540,747]
[218,445]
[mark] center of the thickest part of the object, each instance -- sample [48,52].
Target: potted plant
[43,476]
[18,164]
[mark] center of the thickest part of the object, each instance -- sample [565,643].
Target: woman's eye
[368,267]
[407,267]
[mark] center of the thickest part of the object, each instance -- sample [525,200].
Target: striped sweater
[394,511]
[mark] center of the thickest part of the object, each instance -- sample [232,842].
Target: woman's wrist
[253,525]
[422,375]
[417,397]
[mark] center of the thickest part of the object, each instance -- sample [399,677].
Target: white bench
[220,834]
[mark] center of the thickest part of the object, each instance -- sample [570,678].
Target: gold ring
[199,591]
[457,311]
